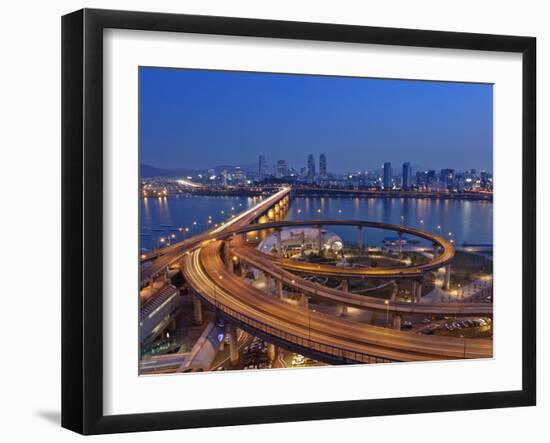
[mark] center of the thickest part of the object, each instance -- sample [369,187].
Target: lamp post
[387,303]
[216,291]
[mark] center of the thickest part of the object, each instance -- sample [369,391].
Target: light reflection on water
[468,221]
[161,217]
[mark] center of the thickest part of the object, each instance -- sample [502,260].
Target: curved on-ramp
[206,272]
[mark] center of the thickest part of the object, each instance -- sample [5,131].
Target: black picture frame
[82,215]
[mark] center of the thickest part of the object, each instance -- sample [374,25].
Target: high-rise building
[431,180]
[239,176]
[282,169]
[387,176]
[261,167]
[310,166]
[460,182]
[446,178]
[483,180]
[407,176]
[223,177]
[422,179]
[323,165]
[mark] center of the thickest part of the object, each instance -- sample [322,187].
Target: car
[406,325]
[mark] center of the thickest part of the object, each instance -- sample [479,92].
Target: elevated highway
[326,337]
[276,268]
[159,260]
[441,260]
[204,263]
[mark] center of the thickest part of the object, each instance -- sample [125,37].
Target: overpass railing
[337,353]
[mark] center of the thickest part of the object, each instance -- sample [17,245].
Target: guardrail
[334,352]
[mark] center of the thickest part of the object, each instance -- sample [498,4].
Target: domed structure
[301,240]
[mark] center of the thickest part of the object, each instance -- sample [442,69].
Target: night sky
[199,119]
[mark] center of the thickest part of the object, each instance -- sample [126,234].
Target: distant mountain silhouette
[152,171]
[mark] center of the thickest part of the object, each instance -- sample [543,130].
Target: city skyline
[198,119]
[270,165]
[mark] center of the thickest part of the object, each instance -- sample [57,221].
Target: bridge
[160,260]
[324,337]
[208,263]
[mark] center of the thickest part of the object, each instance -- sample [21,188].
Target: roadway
[276,268]
[205,271]
[162,258]
[440,260]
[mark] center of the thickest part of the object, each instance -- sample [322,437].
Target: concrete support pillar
[400,242]
[396,323]
[280,289]
[394,294]
[345,288]
[419,292]
[271,352]
[197,310]
[304,301]
[279,243]
[360,238]
[447,282]
[268,283]
[230,263]
[233,344]
[414,291]
[345,285]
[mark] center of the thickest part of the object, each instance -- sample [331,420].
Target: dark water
[467,221]
[460,220]
[161,218]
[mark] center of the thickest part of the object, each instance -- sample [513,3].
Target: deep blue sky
[198,119]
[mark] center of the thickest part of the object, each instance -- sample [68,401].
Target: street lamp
[216,291]
[387,303]
[161,240]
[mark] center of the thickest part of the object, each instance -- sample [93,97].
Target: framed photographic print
[270,221]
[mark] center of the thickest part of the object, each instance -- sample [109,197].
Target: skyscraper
[310,166]
[238,176]
[323,165]
[407,176]
[483,179]
[431,180]
[282,169]
[446,178]
[261,167]
[387,175]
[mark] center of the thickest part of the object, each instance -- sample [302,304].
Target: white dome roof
[296,236]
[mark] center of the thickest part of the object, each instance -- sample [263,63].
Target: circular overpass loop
[444,258]
[205,271]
